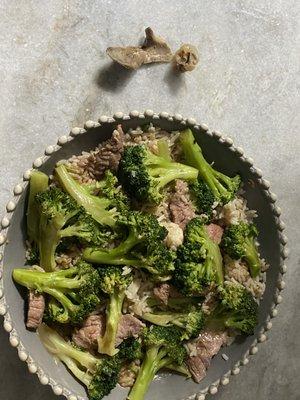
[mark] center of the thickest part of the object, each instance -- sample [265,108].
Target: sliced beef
[94,326]
[36,308]
[164,291]
[128,326]
[208,344]
[215,232]
[180,206]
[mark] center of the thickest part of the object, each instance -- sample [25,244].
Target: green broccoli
[56,208]
[223,187]
[99,375]
[199,263]
[163,349]
[145,175]
[202,197]
[61,217]
[114,284]
[164,150]
[129,350]
[87,230]
[239,243]
[141,246]
[180,369]
[38,183]
[191,321]
[104,207]
[74,290]
[237,309]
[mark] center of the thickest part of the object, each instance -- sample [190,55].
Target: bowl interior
[165,386]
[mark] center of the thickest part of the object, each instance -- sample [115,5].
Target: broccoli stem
[164,150]
[251,257]
[194,157]
[38,280]
[94,205]
[56,345]
[106,343]
[167,171]
[162,319]
[113,256]
[154,360]
[82,376]
[47,244]
[181,369]
[38,183]
[217,260]
[173,171]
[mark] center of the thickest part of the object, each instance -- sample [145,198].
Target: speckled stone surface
[54,75]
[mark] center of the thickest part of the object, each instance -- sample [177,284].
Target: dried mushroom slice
[155,49]
[130,57]
[186,58]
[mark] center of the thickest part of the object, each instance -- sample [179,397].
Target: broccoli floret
[237,309]
[38,183]
[199,263]
[99,376]
[141,246]
[129,350]
[114,284]
[56,208]
[145,175]
[61,217]
[104,207]
[191,321]
[75,290]
[239,243]
[163,349]
[202,197]
[157,259]
[87,230]
[223,187]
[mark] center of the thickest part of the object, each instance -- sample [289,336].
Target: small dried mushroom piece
[186,58]
[154,49]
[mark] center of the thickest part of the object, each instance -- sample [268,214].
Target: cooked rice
[237,271]
[175,235]
[137,295]
[209,302]
[68,259]
[255,287]
[235,211]
[150,137]
[191,347]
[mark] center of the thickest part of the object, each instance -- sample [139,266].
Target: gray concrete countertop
[54,75]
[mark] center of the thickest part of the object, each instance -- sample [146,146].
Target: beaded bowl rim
[14,338]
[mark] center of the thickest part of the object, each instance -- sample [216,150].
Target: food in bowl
[143,258]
